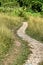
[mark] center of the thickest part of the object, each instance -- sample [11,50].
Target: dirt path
[37,47]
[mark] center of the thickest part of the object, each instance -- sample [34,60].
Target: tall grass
[9,41]
[6,38]
[6,35]
[35,27]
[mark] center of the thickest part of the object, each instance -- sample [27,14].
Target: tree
[0,3]
[36,6]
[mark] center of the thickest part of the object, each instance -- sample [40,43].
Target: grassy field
[35,27]
[13,50]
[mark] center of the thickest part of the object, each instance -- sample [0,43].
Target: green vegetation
[23,54]
[10,44]
[19,10]
[6,35]
[35,27]
[36,6]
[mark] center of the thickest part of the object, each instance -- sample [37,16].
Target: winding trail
[37,47]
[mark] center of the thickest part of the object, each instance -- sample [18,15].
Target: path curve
[37,47]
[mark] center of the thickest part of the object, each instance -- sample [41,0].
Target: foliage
[27,2]
[0,3]
[5,10]
[10,4]
[21,2]
[36,6]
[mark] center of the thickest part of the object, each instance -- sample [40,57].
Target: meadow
[11,46]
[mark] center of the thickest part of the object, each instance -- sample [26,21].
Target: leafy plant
[36,6]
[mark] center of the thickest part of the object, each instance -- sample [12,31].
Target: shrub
[23,13]
[10,4]
[36,6]
[6,9]
[0,3]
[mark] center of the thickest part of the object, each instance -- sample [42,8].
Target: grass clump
[6,34]
[35,28]
[6,38]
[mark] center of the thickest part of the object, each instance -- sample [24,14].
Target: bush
[36,6]
[0,3]
[23,13]
[5,10]
[10,4]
